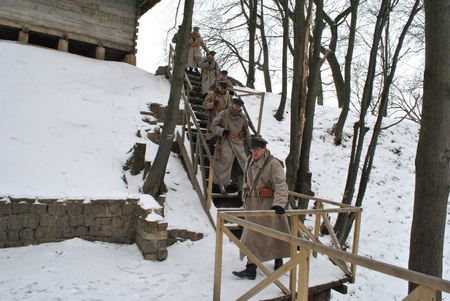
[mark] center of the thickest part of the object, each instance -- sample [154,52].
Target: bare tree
[433,151]
[284,12]
[297,96]
[155,178]
[368,161]
[360,129]
[251,17]
[342,83]
[304,175]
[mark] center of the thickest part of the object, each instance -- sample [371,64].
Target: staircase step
[196,100]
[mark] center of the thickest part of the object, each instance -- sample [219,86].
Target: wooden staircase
[213,198]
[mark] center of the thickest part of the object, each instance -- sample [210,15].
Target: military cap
[212,52]
[196,28]
[224,72]
[223,84]
[258,142]
[237,101]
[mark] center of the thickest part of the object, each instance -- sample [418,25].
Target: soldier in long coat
[231,127]
[210,71]
[195,53]
[264,171]
[215,102]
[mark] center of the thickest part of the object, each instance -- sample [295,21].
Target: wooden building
[102,29]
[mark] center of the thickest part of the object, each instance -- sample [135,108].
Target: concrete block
[47,220]
[15,222]
[57,209]
[26,236]
[74,209]
[162,254]
[4,223]
[5,208]
[38,208]
[20,207]
[31,221]
[89,221]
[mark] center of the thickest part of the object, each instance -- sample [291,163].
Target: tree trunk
[292,160]
[339,126]
[265,49]
[343,218]
[433,151]
[304,174]
[253,7]
[154,181]
[279,115]
[368,162]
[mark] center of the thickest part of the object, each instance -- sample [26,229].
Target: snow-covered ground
[67,123]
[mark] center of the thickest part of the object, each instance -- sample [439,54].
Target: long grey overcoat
[223,101]
[262,246]
[230,147]
[195,51]
[210,71]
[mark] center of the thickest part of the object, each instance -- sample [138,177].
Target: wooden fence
[309,243]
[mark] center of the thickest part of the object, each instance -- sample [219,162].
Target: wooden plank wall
[112,23]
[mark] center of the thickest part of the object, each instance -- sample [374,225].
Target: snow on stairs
[232,200]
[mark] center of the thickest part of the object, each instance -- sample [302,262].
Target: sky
[67,124]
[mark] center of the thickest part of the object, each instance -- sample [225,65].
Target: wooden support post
[303,274]
[218,259]
[63,44]
[100,52]
[421,293]
[293,273]
[357,229]
[23,35]
[317,224]
[210,184]
[130,59]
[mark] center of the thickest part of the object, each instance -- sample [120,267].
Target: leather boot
[248,273]
[278,263]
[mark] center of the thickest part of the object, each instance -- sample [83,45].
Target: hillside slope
[67,123]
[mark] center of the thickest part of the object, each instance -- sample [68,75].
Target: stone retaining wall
[25,221]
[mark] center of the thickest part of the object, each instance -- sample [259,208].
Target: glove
[216,102]
[225,133]
[279,210]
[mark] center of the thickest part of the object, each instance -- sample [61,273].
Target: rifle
[218,147]
[250,123]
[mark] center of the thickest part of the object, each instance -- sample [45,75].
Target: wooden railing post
[293,272]
[218,259]
[357,229]
[303,274]
[317,224]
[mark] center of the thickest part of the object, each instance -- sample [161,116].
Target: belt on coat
[235,136]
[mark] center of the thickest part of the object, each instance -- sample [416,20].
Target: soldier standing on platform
[265,188]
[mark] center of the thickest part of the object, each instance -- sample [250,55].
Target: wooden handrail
[429,283]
